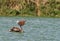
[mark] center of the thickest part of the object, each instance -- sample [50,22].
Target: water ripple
[36,29]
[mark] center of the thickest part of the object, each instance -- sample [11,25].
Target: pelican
[18,29]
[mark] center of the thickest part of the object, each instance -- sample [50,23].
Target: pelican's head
[21,22]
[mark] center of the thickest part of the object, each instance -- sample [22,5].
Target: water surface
[36,29]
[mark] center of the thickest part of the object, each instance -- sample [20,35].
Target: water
[36,29]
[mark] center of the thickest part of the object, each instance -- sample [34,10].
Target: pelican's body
[16,29]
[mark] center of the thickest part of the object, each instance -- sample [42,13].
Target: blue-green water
[36,29]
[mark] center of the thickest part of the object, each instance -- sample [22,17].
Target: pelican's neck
[20,27]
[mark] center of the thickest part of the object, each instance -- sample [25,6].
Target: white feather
[17,21]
